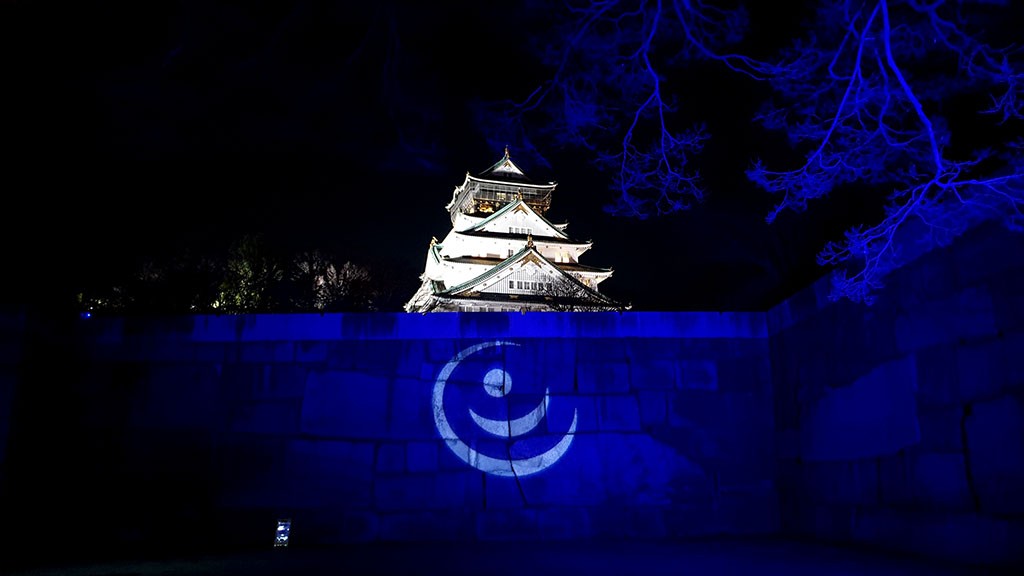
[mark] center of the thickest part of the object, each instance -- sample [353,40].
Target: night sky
[142,129]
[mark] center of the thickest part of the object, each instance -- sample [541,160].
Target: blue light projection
[492,428]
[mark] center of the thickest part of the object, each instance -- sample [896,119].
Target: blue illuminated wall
[901,426]
[898,426]
[367,427]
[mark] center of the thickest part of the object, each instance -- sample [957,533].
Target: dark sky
[142,129]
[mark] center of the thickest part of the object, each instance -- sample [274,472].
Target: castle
[503,254]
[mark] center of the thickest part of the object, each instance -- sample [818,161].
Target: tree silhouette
[319,285]
[250,276]
[868,94]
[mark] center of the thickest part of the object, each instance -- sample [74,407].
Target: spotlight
[284,527]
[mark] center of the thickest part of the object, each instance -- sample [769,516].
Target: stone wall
[901,425]
[206,430]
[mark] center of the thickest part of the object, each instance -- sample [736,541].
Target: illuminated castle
[502,254]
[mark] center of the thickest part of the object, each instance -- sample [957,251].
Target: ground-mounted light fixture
[284,528]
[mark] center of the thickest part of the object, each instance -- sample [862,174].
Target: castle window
[511,283]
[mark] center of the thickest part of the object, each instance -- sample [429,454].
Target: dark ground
[718,557]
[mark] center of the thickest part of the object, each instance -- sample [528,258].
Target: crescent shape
[513,428]
[482,462]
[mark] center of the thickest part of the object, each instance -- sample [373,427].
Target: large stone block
[484,325]
[986,253]
[340,356]
[504,492]
[411,412]
[698,375]
[925,480]
[981,372]
[995,450]
[576,479]
[702,426]
[377,357]
[930,277]
[618,413]
[603,377]
[874,416]
[310,352]
[412,356]
[177,396]
[860,339]
[282,381]
[441,350]
[940,482]
[941,429]
[653,375]
[237,382]
[443,490]
[969,314]
[750,375]
[638,470]
[266,352]
[329,473]
[847,483]
[748,510]
[653,405]
[896,480]
[390,457]
[965,538]
[786,404]
[937,369]
[363,326]
[651,350]
[422,456]
[341,404]
[599,350]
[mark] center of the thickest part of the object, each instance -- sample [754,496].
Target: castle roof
[568,291]
[505,169]
[489,223]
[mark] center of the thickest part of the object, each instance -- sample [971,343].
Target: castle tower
[503,254]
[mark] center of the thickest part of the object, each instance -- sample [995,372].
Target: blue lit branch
[862,99]
[607,94]
[866,124]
